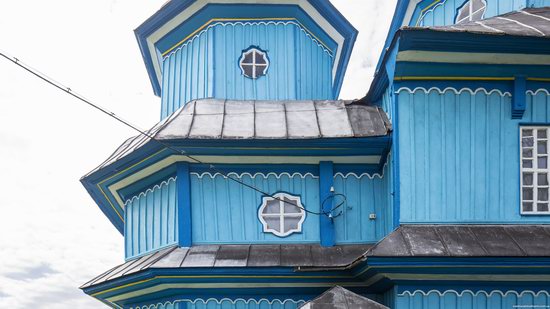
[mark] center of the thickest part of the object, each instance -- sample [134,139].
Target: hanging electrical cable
[69,91]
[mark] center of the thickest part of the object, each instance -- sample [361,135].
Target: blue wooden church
[258,188]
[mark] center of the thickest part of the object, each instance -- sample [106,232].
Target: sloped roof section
[237,256]
[213,119]
[340,298]
[533,22]
[465,241]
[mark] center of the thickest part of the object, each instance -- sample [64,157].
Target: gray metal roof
[340,298]
[238,256]
[527,22]
[465,241]
[239,120]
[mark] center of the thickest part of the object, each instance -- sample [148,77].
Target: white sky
[53,238]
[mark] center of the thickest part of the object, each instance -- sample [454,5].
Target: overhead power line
[105,111]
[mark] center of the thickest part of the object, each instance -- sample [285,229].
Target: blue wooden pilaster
[326,182]
[184,205]
[519,97]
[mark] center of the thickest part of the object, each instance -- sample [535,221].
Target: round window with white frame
[282,214]
[254,62]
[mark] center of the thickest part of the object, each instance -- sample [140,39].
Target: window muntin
[534,170]
[254,63]
[282,214]
[471,10]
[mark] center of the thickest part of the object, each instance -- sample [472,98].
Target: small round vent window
[254,63]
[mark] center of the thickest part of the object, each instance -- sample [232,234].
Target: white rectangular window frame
[534,168]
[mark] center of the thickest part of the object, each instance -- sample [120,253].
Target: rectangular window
[534,170]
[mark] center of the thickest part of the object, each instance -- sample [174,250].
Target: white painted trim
[234,160]
[541,90]
[281,196]
[460,294]
[195,7]
[409,14]
[456,91]
[249,23]
[534,15]
[150,190]
[475,58]
[220,301]
[265,176]
[376,175]
[430,10]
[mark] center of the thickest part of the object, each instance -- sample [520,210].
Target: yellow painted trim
[213,20]
[120,172]
[218,277]
[538,79]
[405,78]
[425,9]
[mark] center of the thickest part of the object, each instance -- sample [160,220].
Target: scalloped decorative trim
[376,175]
[265,176]
[150,190]
[541,90]
[220,301]
[250,23]
[409,293]
[456,91]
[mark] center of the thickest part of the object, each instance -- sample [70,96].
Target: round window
[254,63]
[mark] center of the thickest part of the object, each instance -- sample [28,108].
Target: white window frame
[470,6]
[282,215]
[534,170]
[255,53]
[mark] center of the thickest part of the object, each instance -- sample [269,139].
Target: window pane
[542,207]
[261,70]
[248,57]
[541,147]
[541,133]
[248,69]
[290,208]
[527,194]
[542,162]
[527,152]
[291,223]
[260,58]
[542,194]
[527,206]
[273,223]
[272,207]
[478,15]
[528,179]
[528,163]
[527,142]
[477,4]
[542,179]
[527,132]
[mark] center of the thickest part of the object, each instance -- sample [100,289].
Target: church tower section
[250,51]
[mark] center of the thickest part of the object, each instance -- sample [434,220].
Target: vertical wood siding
[471,300]
[459,156]
[365,195]
[208,66]
[444,13]
[151,220]
[224,211]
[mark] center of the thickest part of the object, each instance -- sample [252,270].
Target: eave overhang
[469,52]
[233,134]
[180,19]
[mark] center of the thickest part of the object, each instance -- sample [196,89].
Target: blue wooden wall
[366,194]
[224,211]
[459,155]
[151,220]
[472,300]
[207,66]
[444,12]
